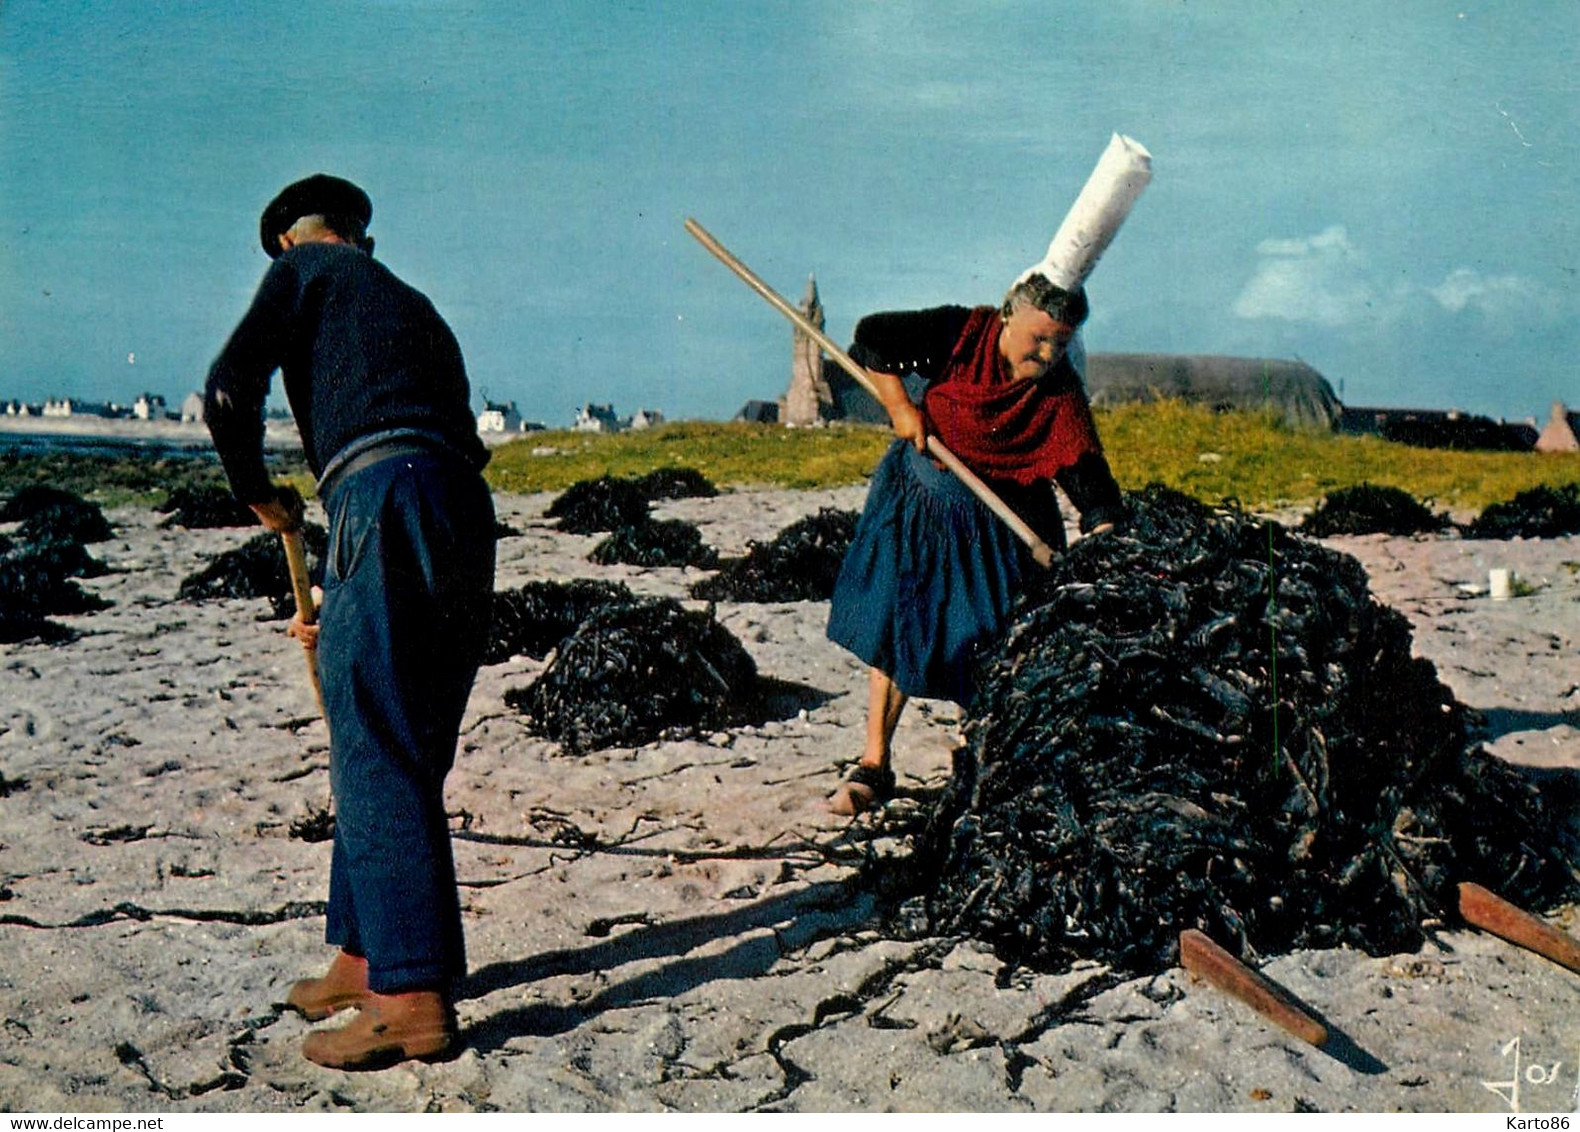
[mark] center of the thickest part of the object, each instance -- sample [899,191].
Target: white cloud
[1320,279]
[1496,296]
[1325,280]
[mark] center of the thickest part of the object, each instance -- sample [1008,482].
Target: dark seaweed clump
[533,619]
[257,568]
[603,504]
[656,542]
[205,507]
[1205,722]
[1541,512]
[676,483]
[1371,509]
[39,566]
[800,564]
[50,514]
[632,674]
[36,580]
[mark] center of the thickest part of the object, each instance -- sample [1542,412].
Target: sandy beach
[675,927]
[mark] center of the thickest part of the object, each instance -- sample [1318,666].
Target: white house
[192,408]
[647,418]
[72,406]
[499,417]
[597,418]
[149,407]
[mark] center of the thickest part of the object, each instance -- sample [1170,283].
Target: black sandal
[879,785]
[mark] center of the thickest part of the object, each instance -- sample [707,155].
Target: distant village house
[759,412]
[596,418]
[497,417]
[149,407]
[75,407]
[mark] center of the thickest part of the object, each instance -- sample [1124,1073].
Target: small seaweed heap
[1203,721]
[603,504]
[49,514]
[205,507]
[533,619]
[800,564]
[621,506]
[1370,509]
[656,542]
[631,674]
[676,483]
[38,566]
[257,568]
[1541,512]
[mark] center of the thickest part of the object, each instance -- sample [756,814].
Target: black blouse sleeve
[903,342]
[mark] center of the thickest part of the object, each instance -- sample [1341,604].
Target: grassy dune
[1250,457]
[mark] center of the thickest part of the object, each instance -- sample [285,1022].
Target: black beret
[318,195]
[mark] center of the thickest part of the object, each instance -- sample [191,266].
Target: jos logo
[1536,1074]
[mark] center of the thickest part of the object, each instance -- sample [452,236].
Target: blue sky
[1386,189]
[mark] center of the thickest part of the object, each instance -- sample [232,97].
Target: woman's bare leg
[885,702]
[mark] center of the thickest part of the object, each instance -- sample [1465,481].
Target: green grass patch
[1252,457]
[1257,459]
[731,455]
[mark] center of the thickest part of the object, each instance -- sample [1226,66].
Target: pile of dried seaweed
[676,483]
[1541,512]
[257,568]
[603,504]
[656,542]
[1206,722]
[533,619]
[204,507]
[49,514]
[800,564]
[631,674]
[611,502]
[37,579]
[38,566]
[1371,509]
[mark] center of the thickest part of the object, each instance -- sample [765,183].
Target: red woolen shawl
[1003,429]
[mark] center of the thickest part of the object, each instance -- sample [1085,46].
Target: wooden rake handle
[1491,913]
[1040,550]
[302,589]
[1205,960]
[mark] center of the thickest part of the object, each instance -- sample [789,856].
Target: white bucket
[1500,584]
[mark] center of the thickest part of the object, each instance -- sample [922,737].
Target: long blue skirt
[931,575]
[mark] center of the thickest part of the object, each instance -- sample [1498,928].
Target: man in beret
[377,385]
